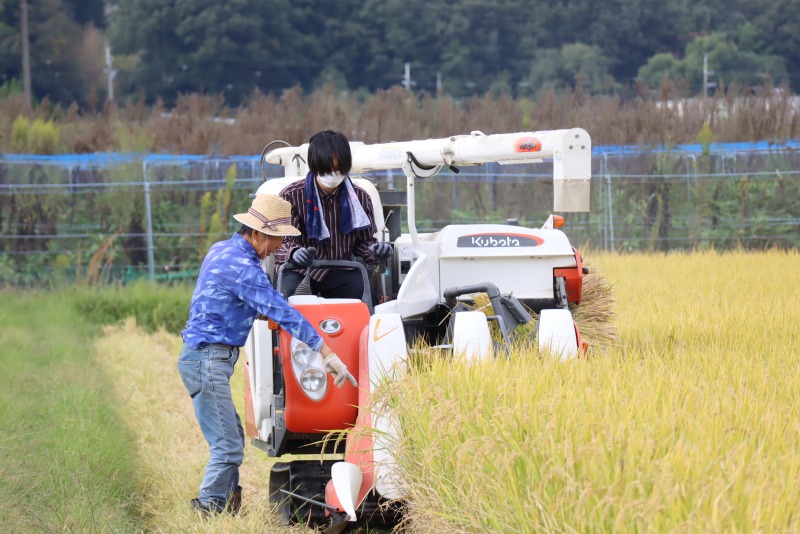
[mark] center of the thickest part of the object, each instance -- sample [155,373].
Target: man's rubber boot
[232,505]
[234,501]
[206,510]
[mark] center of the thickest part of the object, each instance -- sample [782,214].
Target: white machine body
[258,348]
[519,261]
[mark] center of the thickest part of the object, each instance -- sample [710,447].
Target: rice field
[689,422]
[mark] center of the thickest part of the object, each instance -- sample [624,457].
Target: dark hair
[245,230]
[323,146]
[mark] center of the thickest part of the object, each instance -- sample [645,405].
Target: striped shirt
[340,246]
[230,289]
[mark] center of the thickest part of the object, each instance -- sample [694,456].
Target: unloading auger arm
[570,150]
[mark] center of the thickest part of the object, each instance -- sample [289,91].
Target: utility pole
[706,84]
[26,54]
[111,72]
[407,77]
[439,88]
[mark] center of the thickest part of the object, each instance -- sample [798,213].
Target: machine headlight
[302,353]
[313,379]
[309,370]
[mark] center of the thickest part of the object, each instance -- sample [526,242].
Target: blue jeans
[206,373]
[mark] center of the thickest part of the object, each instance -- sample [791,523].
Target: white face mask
[330,181]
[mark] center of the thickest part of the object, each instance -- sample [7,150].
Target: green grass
[153,305]
[66,463]
[97,432]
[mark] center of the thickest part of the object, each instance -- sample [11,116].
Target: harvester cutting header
[427,292]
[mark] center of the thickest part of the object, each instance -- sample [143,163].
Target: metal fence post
[490,185]
[610,207]
[454,191]
[151,269]
[602,212]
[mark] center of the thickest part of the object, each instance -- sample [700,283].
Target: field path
[172,452]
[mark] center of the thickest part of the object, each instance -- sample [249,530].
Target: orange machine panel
[573,277]
[338,409]
[249,415]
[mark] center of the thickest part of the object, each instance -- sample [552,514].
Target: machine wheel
[278,480]
[306,478]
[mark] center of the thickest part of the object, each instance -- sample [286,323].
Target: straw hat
[270,215]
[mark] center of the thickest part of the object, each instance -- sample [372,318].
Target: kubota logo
[330,326]
[498,240]
[528,144]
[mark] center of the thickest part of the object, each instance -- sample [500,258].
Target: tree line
[461,48]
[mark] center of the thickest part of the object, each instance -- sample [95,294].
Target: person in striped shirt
[333,215]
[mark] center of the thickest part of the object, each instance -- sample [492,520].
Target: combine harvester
[426,292]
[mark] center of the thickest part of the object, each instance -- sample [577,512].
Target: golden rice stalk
[594,315]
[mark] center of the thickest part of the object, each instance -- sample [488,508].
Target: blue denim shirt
[231,289]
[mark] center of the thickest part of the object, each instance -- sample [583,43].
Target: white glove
[339,371]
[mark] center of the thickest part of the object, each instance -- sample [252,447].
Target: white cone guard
[557,334]
[387,482]
[388,356]
[346,483]
[471,336]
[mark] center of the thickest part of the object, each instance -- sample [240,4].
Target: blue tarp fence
[682,197]
[111,159]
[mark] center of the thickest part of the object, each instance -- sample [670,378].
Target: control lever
[304,287]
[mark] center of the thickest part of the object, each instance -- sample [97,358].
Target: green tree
[54,37]
[215,212]
[87,11]
[7,47]
[574,63]
[778,19]
[726,59]
[512,46]
[290,46]
[473,45]
[628,31]
[396,32]
[501,38]
[191,46]
[729,63]
[661,66]
[545,71]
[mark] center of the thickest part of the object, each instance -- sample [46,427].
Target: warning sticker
[528,144]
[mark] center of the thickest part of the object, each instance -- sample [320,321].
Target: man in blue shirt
[231,290]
